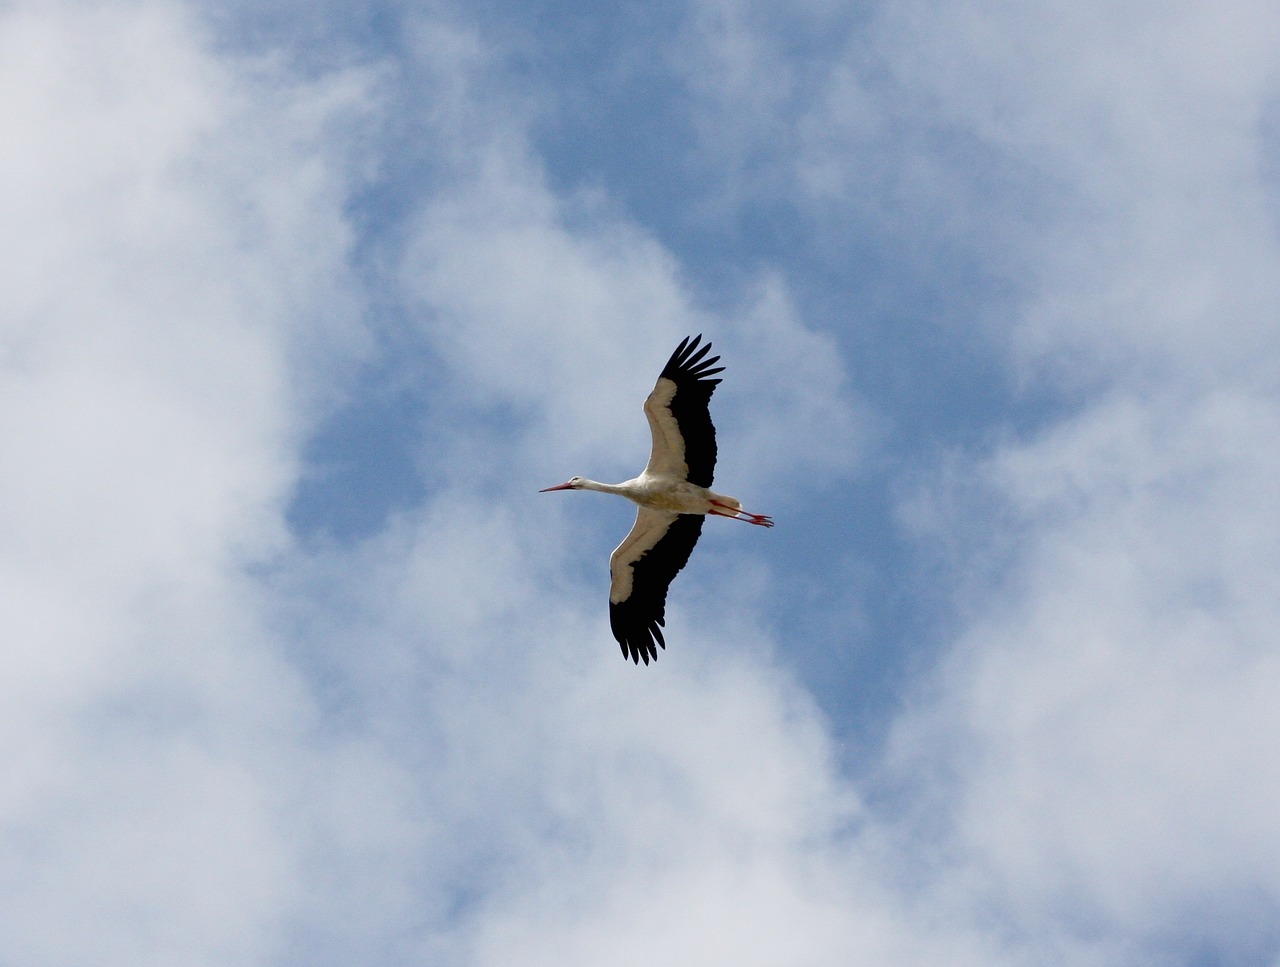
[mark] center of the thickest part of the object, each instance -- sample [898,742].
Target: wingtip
[645,650]
[690,361]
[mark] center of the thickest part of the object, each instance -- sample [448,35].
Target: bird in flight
[674,497]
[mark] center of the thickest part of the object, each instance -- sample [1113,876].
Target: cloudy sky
[300,304]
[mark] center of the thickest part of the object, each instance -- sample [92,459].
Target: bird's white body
[661,498]
[664,492]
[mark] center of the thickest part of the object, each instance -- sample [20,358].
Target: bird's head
[573,483]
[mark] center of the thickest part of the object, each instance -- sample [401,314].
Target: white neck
[621,489]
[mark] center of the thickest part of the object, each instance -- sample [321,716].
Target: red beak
[563,486]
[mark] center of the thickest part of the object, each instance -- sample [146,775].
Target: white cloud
[1110,710]
[555,306]
[1099,741]
[585,813]
[1107,738]
[220,750]
[173,268]
[215,748]
[1132,212]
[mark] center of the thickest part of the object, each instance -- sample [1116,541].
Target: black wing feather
[691,405]
[637,621]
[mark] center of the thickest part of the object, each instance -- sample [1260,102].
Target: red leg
[758,519]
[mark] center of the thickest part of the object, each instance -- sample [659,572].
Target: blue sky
[302,304]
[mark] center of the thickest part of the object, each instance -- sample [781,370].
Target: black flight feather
[637,621]
[691,405]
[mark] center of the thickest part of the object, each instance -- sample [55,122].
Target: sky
[302,302]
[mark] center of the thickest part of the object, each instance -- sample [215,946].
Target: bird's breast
[673,496]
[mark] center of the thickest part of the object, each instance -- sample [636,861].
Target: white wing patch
[667,456]
[649,528]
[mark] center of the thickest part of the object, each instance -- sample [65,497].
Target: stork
[674,496]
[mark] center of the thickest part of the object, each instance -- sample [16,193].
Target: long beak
[563,486]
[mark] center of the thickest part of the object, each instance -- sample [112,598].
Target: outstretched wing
[679,414]
[642,568]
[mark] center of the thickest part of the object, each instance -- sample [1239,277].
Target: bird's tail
[732,503]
